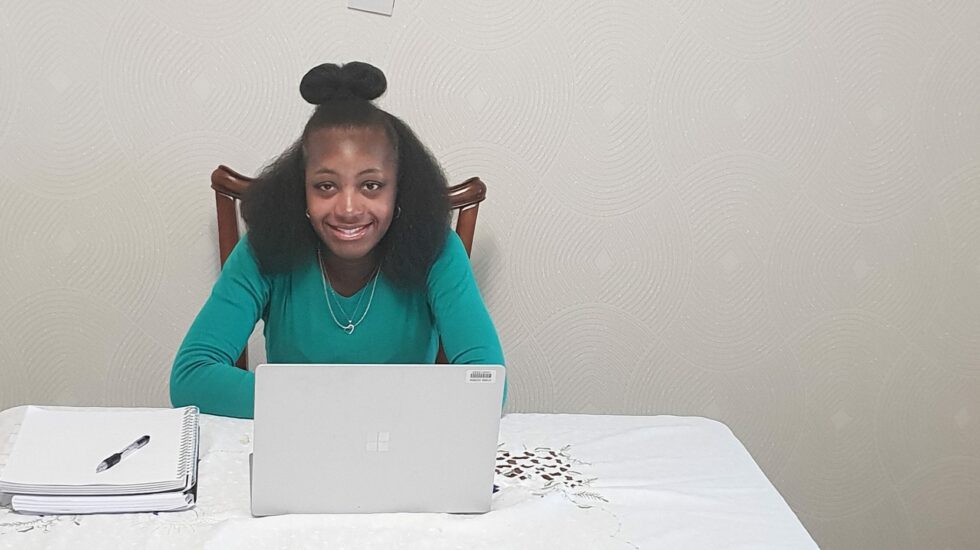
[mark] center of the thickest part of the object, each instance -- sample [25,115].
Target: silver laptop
[375,438]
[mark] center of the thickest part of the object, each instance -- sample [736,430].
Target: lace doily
[543,470]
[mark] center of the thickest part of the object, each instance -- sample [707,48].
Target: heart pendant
[349,329]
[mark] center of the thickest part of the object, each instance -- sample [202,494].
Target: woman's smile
[350,232]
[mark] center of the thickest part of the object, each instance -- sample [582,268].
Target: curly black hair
[274,207]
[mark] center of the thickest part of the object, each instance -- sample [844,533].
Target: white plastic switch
[383,7]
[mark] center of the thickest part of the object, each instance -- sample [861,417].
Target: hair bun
[332,82]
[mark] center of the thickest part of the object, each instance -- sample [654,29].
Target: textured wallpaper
[765,212]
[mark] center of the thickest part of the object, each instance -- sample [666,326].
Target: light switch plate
[383,7]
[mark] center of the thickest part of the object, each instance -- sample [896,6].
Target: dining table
[565,481]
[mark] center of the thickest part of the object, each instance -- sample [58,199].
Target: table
[599,482]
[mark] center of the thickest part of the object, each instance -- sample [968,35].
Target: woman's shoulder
[452,248]
[451,263]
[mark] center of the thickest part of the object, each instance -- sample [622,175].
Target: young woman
[348,257]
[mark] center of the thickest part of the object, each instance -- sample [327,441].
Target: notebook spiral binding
[188,441]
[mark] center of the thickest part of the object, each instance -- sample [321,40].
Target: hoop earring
[398,211]
[307,214]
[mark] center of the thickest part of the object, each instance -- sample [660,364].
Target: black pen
[114,459]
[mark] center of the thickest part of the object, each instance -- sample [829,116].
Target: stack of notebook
[79,461]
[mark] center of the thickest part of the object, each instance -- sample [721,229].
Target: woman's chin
[350,251]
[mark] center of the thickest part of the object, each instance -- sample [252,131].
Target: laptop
[374,438]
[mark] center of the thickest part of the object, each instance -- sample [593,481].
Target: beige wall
[762,212]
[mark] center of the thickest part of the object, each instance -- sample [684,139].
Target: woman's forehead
[348,142]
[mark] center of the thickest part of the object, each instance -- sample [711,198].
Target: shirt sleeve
[204,372]
[461,318]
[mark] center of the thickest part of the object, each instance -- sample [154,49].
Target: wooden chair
[228,185]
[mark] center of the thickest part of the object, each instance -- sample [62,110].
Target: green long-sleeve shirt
[400,327]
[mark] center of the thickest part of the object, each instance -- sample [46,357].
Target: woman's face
[351,176]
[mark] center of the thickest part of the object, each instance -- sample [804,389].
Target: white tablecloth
[629,482]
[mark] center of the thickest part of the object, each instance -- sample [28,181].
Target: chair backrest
[228,185]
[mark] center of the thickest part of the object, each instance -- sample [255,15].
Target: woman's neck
[348,276]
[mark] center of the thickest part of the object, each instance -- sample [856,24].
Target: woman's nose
[350,202]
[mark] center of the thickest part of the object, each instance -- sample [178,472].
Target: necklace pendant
[349,328]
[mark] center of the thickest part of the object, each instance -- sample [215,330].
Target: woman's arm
[204,373]
[464,325]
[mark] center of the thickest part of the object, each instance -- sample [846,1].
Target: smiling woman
[348,256]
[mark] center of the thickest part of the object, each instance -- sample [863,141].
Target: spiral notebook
[52,465]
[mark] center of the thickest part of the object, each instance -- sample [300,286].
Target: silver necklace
[328,293]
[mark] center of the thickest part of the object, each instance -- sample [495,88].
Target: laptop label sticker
[480,376]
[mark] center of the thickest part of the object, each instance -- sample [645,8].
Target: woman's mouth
[349,232]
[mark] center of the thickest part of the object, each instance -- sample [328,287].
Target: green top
[401,326]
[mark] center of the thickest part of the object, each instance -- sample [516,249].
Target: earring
[307,214]
[398,211]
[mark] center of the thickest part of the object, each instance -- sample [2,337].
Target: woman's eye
[323,186]
[372,185]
